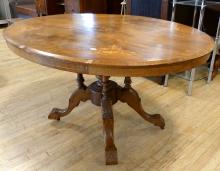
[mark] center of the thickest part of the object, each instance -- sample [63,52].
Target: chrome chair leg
[211,68]
[166,80]
[173,11]
[123,7]
[192,77]
[201,15]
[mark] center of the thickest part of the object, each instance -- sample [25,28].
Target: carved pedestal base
[105,93]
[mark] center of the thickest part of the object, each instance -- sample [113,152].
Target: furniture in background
[95,6]
[82,6]
[210,21]
[51,7]
[214,62]
[39,7]
[5,14]
[26,8]
[123,7]
[149,61]
[210,26]
[153,8]
[195,3]
[149,8]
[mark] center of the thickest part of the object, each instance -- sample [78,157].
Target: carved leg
[108,125]
[81,94]
[130,96]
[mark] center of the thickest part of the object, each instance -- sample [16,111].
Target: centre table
[105,46]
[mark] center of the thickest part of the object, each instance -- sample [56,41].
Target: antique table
[109,45]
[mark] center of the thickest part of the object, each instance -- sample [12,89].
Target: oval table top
[110,45]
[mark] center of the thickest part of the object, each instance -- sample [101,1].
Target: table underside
[105,93]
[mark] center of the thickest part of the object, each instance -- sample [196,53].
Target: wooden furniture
[81,6]
[140,7]
[51,7]
[164,9]
[54,7]
[95,6]
[85,44]
[39,7]
[26,7]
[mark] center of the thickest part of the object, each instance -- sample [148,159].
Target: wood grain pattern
[93,35]
[164,9]
[106,93]
[29,142]
[95,6]
[109,44]
[130,96]
[108,123]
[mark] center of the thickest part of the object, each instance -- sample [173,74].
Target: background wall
[150,8]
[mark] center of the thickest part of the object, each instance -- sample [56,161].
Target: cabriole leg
[81,94]
[130,96]
[108,124]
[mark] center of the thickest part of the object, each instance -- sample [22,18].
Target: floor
[31,142]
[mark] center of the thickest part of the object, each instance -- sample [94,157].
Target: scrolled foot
[130,96]
[132,99]
[111,156]
[78,96]
[108,124]
[82,94]
[56,113]
[157,120]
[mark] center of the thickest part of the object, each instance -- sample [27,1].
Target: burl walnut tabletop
[109,45]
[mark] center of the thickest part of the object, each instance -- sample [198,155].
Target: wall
[150,8]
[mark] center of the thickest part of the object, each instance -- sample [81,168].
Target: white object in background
[123,7]
[7,13]
[201,16]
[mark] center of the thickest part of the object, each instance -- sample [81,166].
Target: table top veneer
[111,45]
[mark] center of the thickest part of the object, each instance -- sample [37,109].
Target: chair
[202,4]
